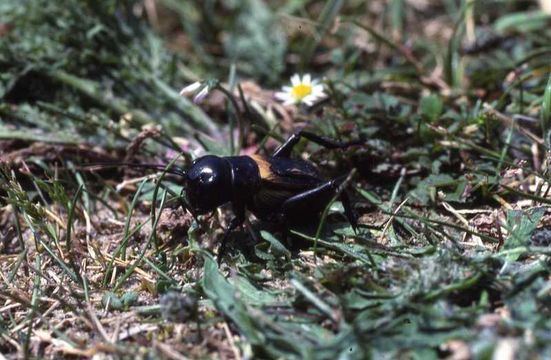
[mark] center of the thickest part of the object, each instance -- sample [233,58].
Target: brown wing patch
[286,174]
[263,167]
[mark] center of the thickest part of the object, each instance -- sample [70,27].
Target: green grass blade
[546,113]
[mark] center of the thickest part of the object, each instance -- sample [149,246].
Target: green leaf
[129,298]
[426,189]
[431,107]
[522,21]
[521,224]
[264,255]
[252,295]
[111,301]
[225,298]
[277,248]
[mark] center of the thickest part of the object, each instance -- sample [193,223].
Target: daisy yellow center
[300,91]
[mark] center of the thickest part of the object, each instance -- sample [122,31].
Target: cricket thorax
[246,176]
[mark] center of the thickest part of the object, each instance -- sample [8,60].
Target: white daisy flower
[192,90]
[303,90]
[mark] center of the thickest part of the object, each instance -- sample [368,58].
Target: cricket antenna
[171,169]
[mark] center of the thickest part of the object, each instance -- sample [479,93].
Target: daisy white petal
[283,96]
[307,79]
[310,100]
[190,89]
[295,79]
[317,89]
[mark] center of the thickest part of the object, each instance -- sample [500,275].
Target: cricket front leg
[237,221]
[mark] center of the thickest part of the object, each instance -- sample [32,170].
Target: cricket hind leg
[349,212]
[284,151]
[308,205]
[312,202]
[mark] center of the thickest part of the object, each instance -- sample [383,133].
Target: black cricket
[274,188]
